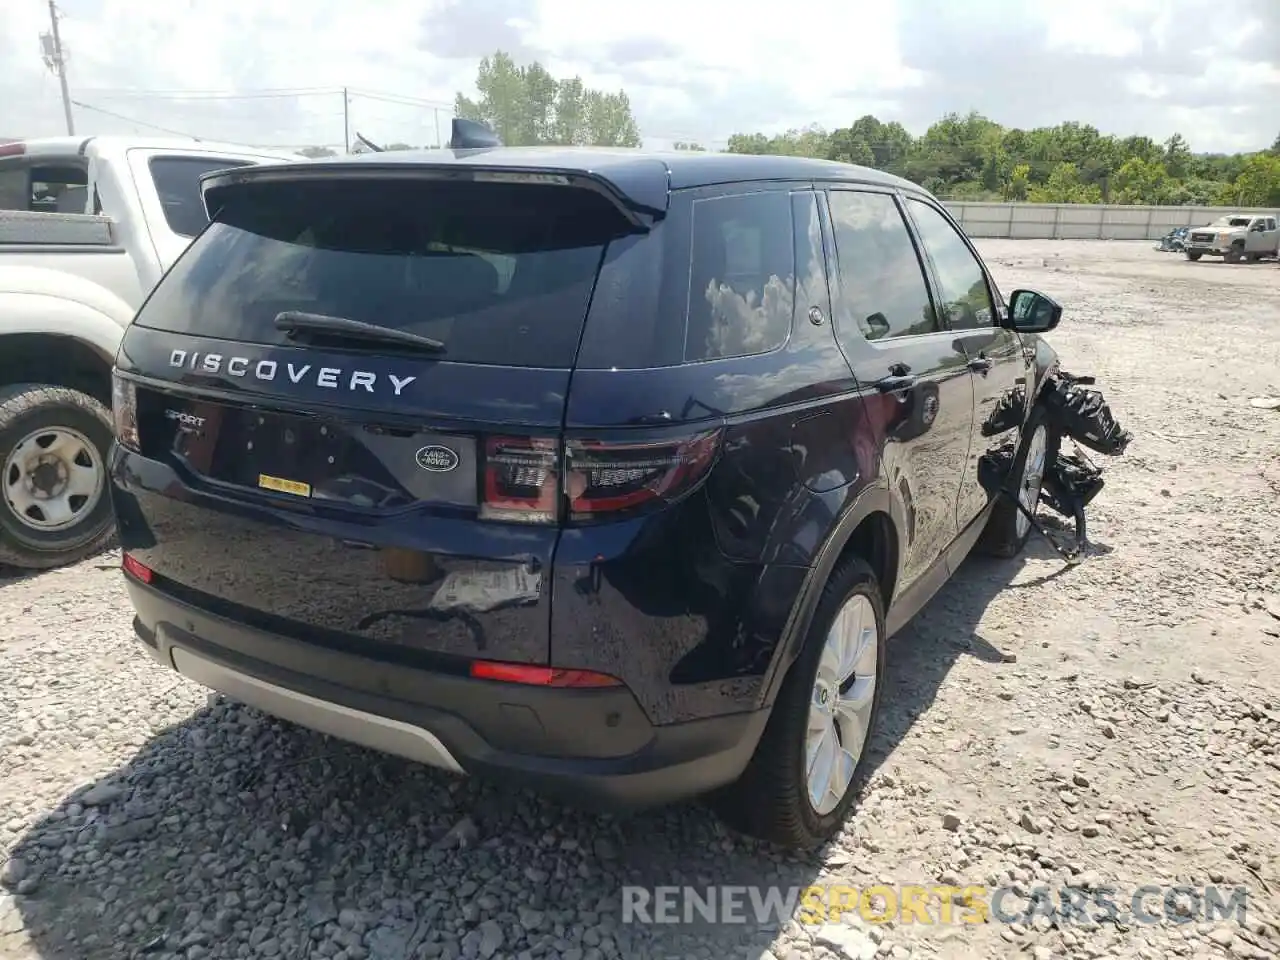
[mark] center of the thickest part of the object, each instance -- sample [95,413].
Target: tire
[1007,529]
[31,535]
[1233,255]
[770,801]
[1193,255]
[1253,257]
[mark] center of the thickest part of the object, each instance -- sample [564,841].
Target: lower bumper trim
[367,729]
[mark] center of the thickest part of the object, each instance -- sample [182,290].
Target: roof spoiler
[472,135]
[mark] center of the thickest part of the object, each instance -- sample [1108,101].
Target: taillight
[604,478]
[136,569]
[124,411]
[536,480]
[521,480]
[541,676]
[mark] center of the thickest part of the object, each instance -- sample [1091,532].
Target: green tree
[1259,182]
[1177,157]
[971,156]
[1019,183]
[526,105]
[609,120]
[1064,186]
[1138,181]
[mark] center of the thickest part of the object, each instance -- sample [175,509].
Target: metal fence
[1081,221]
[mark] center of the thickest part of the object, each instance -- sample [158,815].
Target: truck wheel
[1193,254]
[54,507]
[1253,257]
[1008,528]
[1233,255]
[802,780]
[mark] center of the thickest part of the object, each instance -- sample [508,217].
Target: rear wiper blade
[298,321]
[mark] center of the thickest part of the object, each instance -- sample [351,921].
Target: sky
[694,69]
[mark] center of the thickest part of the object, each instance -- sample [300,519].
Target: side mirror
[1032,312]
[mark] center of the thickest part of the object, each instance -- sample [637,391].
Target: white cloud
[695,69]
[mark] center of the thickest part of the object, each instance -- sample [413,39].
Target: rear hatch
[353,385]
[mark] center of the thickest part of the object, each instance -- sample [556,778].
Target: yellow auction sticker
[281,485]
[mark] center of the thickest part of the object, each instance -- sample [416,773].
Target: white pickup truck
[87,228]
[1239,236]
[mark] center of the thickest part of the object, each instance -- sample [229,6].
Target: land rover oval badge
[436,458]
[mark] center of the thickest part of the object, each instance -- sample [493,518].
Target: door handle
[980,364]
[896,383]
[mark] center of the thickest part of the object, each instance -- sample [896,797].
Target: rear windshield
[177,181]
[500,273]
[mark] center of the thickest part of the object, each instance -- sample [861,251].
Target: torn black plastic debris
[1082,414]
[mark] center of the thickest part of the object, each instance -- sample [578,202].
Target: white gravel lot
[1116,724]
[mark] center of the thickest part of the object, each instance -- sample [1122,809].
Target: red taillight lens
[611,477]
[521,480]
[541,676]
[136,569]
[14,148]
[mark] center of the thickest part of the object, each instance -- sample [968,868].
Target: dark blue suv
[608,470]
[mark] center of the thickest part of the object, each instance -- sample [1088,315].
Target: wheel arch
[57,359]
[866,529]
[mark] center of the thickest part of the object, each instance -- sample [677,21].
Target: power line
[134,121]
[128,93]
[181,97]
[401,98]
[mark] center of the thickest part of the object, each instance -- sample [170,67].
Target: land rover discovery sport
[607,470]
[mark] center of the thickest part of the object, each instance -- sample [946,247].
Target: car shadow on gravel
[231,834]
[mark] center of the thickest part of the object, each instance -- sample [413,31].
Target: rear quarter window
[741,276]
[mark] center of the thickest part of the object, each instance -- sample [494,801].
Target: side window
[882,290]
[963,283]
[1271,223]
[742,276]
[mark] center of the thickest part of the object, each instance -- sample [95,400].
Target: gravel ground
[1115,724]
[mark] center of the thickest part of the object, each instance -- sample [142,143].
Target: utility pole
[346,121]
[56,60]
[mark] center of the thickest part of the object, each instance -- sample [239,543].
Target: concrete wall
[1081,221]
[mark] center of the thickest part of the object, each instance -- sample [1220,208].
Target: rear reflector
[540,676]
[136,569]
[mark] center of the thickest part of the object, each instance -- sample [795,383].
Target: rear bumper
[595,747]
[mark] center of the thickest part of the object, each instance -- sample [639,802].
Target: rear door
[920,396]
[328,486]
